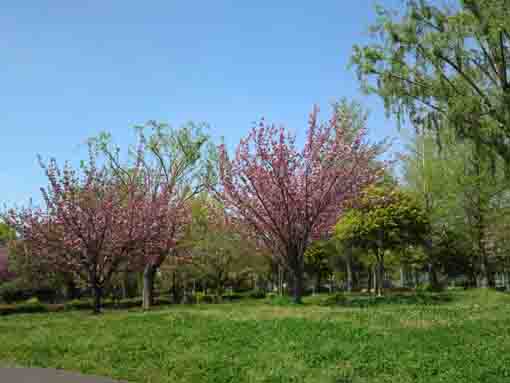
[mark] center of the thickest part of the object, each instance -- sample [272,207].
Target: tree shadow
[361,301]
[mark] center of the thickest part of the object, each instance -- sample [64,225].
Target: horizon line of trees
[273,210]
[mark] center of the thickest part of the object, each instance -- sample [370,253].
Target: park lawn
[464,338]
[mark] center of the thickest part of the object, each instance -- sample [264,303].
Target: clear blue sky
[70,69]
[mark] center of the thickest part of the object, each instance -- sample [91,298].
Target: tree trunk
[298,279]
[348,266]
[402,277]
[148,286]
[433,280]
[370,279]
[318,283]
[298,288]
[483,280]
[71,290]
[97,299]
[380,277]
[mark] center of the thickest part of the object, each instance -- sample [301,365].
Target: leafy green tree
[383,219]
[465,195]
[318,260]
[220,250]
[182,162]
[6,234]
[447,63]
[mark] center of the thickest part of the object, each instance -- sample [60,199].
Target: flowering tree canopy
[288,196]
[180,164]
[91,225]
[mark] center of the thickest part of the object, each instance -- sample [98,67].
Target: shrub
[207,298]
[337,299]
[279,300]
[257,294]
[23,308]
[13,291]
[231,297]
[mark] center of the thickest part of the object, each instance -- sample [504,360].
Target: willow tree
[434,63]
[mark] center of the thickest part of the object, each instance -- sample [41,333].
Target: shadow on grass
[391,299]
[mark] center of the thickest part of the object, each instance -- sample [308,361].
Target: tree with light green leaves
[465,194]
[437,63]
[220,250]
[180,161]
[381,220]
[318,261]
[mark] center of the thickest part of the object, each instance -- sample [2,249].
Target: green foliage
[337,299]
[6,234]
[257,294]
[383,218]
[318,258]
[13,291]
[24,308]
[207,298]
[435,62]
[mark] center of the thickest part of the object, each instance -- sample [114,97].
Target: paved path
[46,375]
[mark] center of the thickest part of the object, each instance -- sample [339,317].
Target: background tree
[287,196]
[318,261]
[220,250]
[447,63]
[182,162]
[465,195]
[383,219]
[90,225]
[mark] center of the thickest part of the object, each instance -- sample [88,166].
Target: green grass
[462,337]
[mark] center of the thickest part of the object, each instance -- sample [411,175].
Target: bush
[279,300]
[77,304]
[428,288]
[257,294]
[23,308]
[231,297]
[207,298]
[13,291]
[337,299]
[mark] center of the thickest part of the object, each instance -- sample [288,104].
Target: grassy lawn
[463,337]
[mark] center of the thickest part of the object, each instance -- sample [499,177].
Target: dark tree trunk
[379,277]
[318,283]
[370,279]
[71,291]
[175,288]
[434,282]
[97,299]
[297,291]
[148,286]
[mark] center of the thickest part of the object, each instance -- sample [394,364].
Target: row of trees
[175,196]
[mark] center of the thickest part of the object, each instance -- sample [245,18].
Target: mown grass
[460,337]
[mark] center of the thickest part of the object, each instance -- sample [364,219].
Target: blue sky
[69,70]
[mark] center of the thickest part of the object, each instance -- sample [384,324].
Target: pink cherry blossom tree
[91,225]
[289,196]
[181,163]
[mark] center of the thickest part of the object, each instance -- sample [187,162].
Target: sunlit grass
[465,338]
